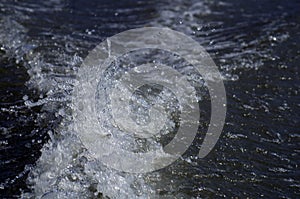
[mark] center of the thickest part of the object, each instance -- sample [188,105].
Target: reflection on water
[255,46]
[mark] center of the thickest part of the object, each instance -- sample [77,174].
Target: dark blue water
[255,44]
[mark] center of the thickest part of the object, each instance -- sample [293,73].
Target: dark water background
[255,44]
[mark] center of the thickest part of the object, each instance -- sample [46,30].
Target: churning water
[255,46]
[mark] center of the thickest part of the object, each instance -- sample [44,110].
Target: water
[254,44]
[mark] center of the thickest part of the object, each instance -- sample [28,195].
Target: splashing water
[48,41]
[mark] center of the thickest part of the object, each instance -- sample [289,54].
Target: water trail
[65,169]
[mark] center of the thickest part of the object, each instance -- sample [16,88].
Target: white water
[65,169]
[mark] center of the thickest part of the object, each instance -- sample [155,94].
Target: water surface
[255,44]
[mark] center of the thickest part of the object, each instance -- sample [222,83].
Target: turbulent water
[255,46]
